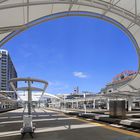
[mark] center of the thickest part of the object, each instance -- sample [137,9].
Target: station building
[118,81]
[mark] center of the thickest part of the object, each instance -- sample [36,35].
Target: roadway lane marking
[46,129]
[37,120]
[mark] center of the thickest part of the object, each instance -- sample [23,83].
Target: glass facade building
[7,71]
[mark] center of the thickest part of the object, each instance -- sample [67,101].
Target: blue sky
[72,51]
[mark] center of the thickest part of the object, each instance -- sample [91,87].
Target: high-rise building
[7,71]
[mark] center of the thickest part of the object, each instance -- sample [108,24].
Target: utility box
[117,108]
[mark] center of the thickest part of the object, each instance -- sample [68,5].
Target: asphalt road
[51,125]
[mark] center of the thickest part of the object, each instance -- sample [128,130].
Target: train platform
[53,125]
[132,118]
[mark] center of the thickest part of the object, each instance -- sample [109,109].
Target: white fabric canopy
[18,15]
[36,96]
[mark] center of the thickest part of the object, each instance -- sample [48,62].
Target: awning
[18,15]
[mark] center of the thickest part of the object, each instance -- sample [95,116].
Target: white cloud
[79,74]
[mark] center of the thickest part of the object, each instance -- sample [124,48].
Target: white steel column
[64,103]
[130,104]
[85,103]
[29,98]
[72,104]
[76,104]
[107,104]
[93,104]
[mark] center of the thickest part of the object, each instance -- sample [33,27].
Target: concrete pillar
[107,103]
[130,104]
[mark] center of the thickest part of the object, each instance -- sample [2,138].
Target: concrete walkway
[52,125]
